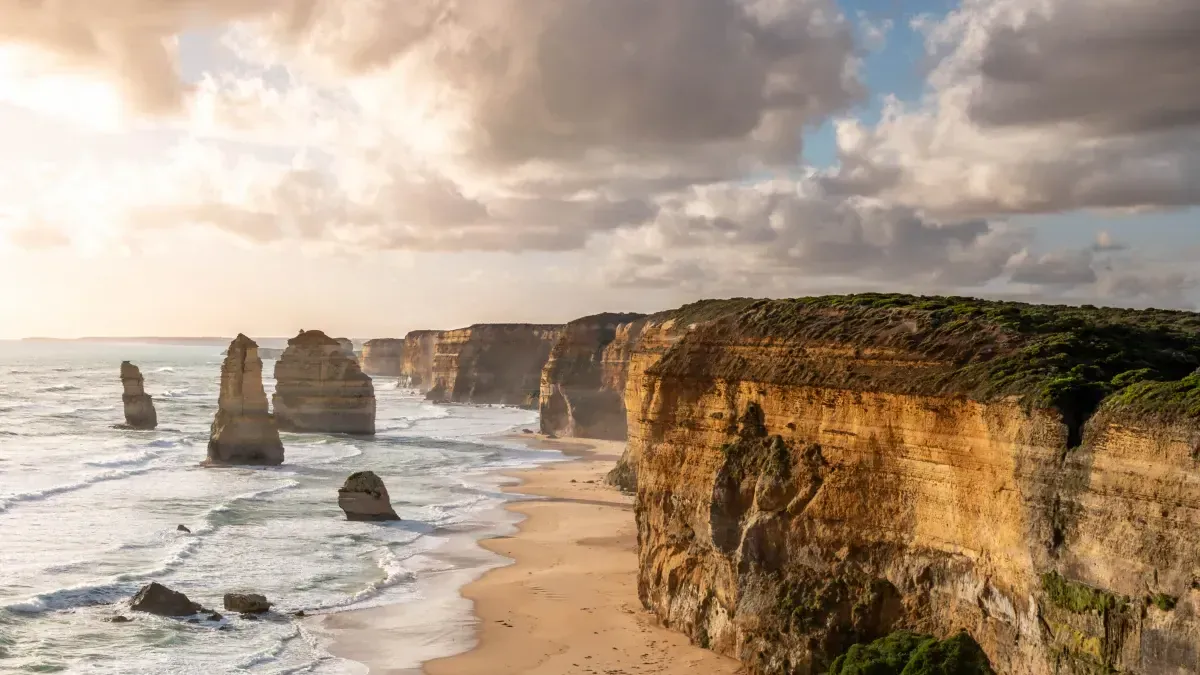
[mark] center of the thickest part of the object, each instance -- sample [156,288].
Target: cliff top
[607,318]
[1069,358]
[308,338]
[242,342]
[375,342]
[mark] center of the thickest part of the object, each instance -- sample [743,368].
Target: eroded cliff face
[583,382]
[383,357]
[243,431]
[800,491]
[417,364]
[138,405]
[492,363]
[319,387]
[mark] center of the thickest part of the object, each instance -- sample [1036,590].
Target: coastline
[566,603]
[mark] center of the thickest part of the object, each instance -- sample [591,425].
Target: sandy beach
[569,602]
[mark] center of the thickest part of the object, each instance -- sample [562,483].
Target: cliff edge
[383,357]
[823,472]
[491,363]
[582,390]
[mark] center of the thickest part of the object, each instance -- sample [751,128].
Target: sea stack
[319,387]
[364,497]
[383,356]
[139,407]
[244,431]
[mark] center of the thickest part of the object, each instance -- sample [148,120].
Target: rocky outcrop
[320,388]
[492,363]
[346,344]
[246,603]
[365,497]
[416,369]
[139,406]
[264,353]
[817,473]
[244,430]
[154,598]
[583,383]
[383,357]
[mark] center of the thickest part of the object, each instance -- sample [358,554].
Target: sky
[369,167]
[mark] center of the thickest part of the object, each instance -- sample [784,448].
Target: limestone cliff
[346,344]
[139,406]
[492,363]
[244,430]
[640,344]
[383,357]
[583,383]
[319,387]
[822,472]
[416,368]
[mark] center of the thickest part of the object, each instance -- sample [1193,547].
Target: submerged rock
[364,497]
[244,432]
[139,406]
[154,598]
[246,603]
[320,388]
[182,528]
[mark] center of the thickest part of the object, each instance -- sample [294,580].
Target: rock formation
[154,598]
[492,363]
[244,431]
[246,603]
[818,473]
[320,388]
[346,344]
[583,382]
[364,497]
[416,369]
[139,406]
[383,357]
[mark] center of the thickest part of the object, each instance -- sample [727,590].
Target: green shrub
[1079,598]
[906,653]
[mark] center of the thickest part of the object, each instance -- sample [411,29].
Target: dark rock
[182,528]
[154,598]
[364,497]
[215,616]
[118,619]
[300,614]
[246,603]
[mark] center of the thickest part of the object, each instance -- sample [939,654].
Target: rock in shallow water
[364,497]
[154,598]
[246,603]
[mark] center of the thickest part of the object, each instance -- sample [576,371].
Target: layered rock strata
[416,366]
[383,357]
[492,363]
[139,406]
[638,345]
[582,385]
[319,387]
[364,497]
[818,473]
[244,431]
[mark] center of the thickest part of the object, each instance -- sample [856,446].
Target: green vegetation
[1068,358]
[1079,598]
[905,653]
[1163,601]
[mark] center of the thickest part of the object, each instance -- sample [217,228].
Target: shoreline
[563,599]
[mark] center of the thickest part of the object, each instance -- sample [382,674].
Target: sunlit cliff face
[666,150]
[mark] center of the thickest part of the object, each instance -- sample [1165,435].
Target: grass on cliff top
[1069,358]
[905,653]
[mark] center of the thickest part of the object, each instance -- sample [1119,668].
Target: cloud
[1037,107]
[38,237]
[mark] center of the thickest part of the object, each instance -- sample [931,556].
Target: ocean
[89,513]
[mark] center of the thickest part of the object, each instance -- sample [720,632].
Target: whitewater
[89,513]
